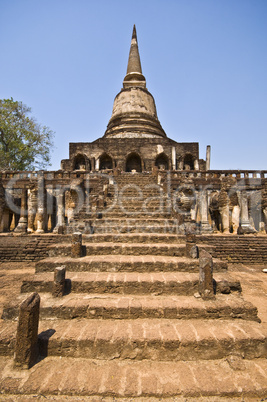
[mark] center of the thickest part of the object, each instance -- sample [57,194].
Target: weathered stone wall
[234,249]
[119,148]
[215,201]
[237,249]
[27,248]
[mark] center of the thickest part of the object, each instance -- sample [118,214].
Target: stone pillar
[70,203]
[60,226]
[97,162]
[32,208]
[245,221]
[76,245]
[26,350]
[5,224]
[191,247]
[224,211]
[41,205]
[173,158]
[22,224]
[116,172]
[265,217]
[196,164]
[13,222]
[235,218]
[59,282]
[204,212]
[93,164]
[208,158]
[2,202]
[206,288]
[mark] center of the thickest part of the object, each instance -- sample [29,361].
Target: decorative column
[235,218]
[2,203]
[173,158]
[224,211]
[204,212]
[196,164]
[245,222]
[93,164]
[32,208]
[41,204]
[60,226]
[22,224]
[71,202]
[265,217]
[208,158]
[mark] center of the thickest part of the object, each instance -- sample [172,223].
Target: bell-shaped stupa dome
[134,112]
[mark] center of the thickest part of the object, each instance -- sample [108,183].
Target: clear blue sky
[205,62]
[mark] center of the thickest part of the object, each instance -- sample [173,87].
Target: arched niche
[80,163]
[162,161]
[188,162]
[133,162]
[105,162]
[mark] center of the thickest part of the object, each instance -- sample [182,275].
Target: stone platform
[141,344]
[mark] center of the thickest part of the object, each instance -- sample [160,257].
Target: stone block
[206,286]
[26,350]
[76,245]
[190,238]
[59,281]
[194,252]
[191,247]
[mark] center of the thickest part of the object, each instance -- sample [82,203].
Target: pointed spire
[134,36]
[134,76]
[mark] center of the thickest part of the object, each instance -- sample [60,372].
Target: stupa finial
[134,76]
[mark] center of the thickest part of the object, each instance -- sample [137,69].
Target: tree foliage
[24,144]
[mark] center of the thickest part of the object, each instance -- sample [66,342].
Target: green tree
[24,144]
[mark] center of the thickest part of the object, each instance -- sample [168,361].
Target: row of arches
[133,162]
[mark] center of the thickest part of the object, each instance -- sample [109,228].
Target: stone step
[120,215]
[137,211]
[123,227]
[136,190]
[169,283]
[53,379]
[88,228]
[127,263]
[142,196]
[116,306]
[136,238]
[142,339]
[163,249]
[126,209]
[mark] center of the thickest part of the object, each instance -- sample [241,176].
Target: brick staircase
[131,307]
[133,203]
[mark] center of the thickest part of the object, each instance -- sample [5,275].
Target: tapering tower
[134,112]
[134,139]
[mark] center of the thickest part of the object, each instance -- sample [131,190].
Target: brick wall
[27,248]
[238,249]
